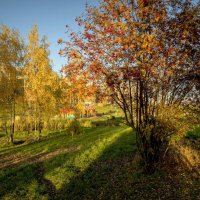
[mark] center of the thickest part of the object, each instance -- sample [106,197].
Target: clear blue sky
[51,16]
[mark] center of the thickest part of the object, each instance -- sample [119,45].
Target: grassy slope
[99,164]
[106,109]
[21,181]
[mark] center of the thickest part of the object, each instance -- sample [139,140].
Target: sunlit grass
[99,163]
[81,160]
[20,182]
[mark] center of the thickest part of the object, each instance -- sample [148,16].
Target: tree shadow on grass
[50,189]
[114,175]
[117,175]
[2,135]
[109,177]
[37,158]
[51,140]
[44,140]
[16,181]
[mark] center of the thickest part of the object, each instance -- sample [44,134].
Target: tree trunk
[40,124]
[12,125]
[39,129]
[12,132]
[6,131]
[150,148]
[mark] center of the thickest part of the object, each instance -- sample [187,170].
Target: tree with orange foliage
[78,84]
[146,53]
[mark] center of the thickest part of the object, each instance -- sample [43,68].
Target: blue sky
[51,16]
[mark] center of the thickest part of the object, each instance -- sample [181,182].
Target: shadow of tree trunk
[42,181]
[119,177]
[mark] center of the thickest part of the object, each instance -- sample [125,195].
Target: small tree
[75,127]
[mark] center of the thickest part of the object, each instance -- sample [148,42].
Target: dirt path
[12,160]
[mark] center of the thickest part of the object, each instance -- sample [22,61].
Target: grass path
[99,164]
[56,159]
[13,161]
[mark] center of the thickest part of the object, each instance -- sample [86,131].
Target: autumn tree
[40,81]
[146,53]
[11,60]
[77,84]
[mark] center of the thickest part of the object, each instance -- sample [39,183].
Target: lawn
[101,163]
[109,110]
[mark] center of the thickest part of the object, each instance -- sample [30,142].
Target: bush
[75,127]
[86,123]
[109,122]
[154,137]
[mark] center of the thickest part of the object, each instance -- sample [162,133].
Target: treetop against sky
[51,17]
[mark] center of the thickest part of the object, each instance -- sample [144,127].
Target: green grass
[192,137]
[100,163]
[194,134]
[23,137]
[106,109]
[20,182]
[109,111]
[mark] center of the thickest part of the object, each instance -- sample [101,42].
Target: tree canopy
[146,54]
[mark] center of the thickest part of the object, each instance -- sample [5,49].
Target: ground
[100,163]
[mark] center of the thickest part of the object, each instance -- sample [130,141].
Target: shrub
[183,156]
[154,137]
[109,122]
[75,127]
[86,123]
